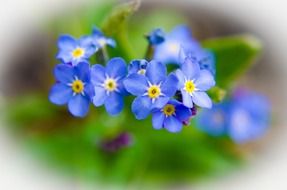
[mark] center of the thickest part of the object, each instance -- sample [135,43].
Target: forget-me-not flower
[108,85]
[203,57]
[153,90]
[138,66]
[100,40]
[193,82]
[179,37]
[73,50]
[171,116]
[73,87]
[156,37]
[214,121]
[249,116]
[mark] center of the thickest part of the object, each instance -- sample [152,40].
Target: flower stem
[105,53]
[149,52]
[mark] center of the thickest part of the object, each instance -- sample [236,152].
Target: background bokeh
[31,40]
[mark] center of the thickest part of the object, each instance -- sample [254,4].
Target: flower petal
[136,84]
[169,86]
[181,78]
[190,68]
[79,105]
[157,119]
[134,66]
[186,99]
[160,102]
[64,56]
[172,124]
[82,71]
[205,80]
[64,73]
[100,96]
[114,104]
[67,42]
[85,41]
[60,94]
[98,74]
[182,112]
[89,90]
[202,99]
[141,107]
[111,42]
[116,68]
[121,88]
[156,72]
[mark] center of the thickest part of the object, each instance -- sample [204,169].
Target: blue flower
[193,82]
[214,121]
[244,117]
[73,87]
[205,58]
[138,66]
[171,116]
[168,51]
[156,37]
[100,40]
[249,116]
[74,51]
[108,85]
[153,90]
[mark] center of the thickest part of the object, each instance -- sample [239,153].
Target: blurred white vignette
[266,19]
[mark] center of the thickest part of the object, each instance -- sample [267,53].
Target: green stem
[105,54]
[149,52]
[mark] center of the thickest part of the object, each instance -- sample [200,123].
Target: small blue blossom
[249,116]
[179,37]
[171,117]
[205,58]
[100,40]
[108,85]
[193,82]
[73,87]
[138,66]
[155,37]
[153,90]
[214,121]
[73,51]
[244,117]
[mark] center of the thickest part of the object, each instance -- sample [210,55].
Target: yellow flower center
[169,110]
[189,86]
[110,85]
[142,71]
[78,52]
[78,86]
[153,91]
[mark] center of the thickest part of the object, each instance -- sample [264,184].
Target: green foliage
[73,145]
[234,55]
[115,25]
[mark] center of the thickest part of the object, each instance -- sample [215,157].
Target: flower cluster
[243,117]
[171,98]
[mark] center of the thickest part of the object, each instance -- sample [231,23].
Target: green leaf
[114,22]
[234,55]
[116,25]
